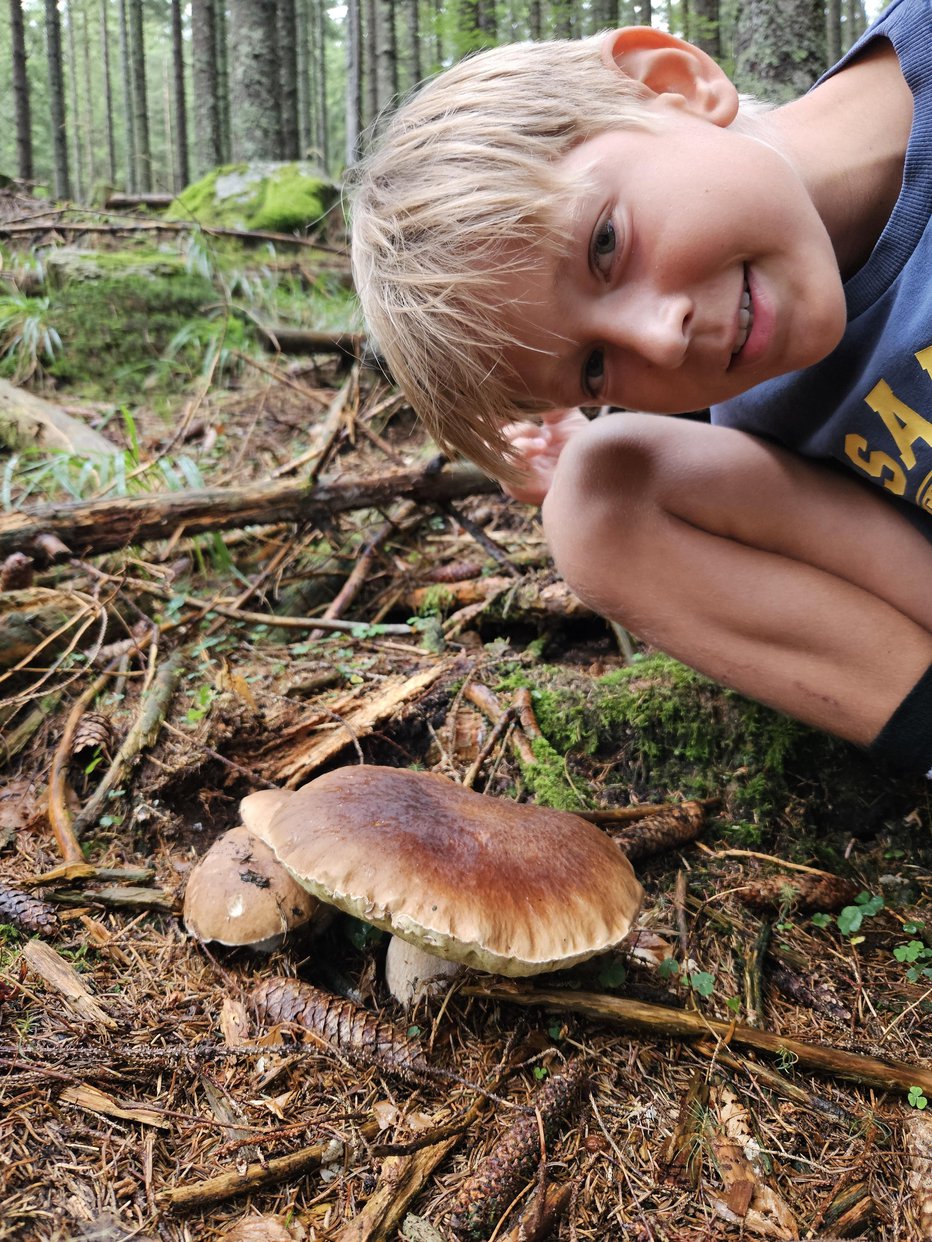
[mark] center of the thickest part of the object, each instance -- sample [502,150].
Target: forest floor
[773,1081]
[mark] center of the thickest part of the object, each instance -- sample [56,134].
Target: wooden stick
[145,730]
[255,1176]
[660,1022]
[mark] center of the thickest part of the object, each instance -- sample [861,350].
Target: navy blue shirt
[868,405]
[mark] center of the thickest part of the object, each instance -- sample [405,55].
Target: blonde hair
[464,179]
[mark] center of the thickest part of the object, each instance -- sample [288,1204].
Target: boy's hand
[538,449]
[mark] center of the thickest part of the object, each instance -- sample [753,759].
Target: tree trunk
[704,27]
[182,171]
[57,100]
[254,81]
[137,54]
[108,93]
[319,11]
[386,54]
[78,184]
[779,47]
[222,53]
[288,64]
[855,21]
[303,63]
[353,82]
[90,94]
[415,64]
[535,20]
[832,31]
[208,142]
[21,93]
[369,83]
[127,67]
[487,22]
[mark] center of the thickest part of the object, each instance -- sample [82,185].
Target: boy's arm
[537,451]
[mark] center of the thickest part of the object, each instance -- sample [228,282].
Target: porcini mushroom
[506,888]
[411,972]
[239,894]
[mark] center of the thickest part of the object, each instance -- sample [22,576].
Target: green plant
[27,337]
[917,955]
[851,917]
[916,1097]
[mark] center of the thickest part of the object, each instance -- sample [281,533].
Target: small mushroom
[506,888]
[239,894]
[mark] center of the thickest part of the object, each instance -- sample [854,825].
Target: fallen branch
[256,1176]
[96,526]
[143,733]
[662,1022]
[164,226]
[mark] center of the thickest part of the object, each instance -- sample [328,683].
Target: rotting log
[95,526]
[663,1022]
[305,341]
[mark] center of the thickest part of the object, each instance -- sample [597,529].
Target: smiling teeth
[745,320]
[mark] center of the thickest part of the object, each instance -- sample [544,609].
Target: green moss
[438,599]
[281,198]
[114,330]
[657,729]
[292,201]
[547,778]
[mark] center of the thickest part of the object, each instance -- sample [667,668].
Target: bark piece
[302,756]
[56,972]
[918,1134]
[353,1031]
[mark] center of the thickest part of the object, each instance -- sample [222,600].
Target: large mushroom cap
[239,894]
[511,889]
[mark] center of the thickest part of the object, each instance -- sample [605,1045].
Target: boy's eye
[594,372]
[603,246]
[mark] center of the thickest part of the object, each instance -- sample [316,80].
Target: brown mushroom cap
[240,894]
[511,889]
[257,809]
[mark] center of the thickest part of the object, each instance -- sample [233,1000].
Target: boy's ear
[669,66]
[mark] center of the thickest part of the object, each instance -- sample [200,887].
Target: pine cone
[27,913]
[355,1032]
[93,730]
[801,891]
[487,1193]
[658,833]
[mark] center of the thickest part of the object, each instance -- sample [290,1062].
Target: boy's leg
[774,575]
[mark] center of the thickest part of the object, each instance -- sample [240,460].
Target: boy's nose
[655,326]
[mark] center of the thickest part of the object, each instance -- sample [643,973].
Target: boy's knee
[599,516]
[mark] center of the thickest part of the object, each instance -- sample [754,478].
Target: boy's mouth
[745,318]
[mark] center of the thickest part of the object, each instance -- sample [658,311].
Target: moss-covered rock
[657,729]
[281,198]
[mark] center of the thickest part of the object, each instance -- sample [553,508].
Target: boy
[600,223]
